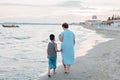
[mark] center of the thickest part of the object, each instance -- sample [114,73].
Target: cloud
[117,10]
[11,4]
[69,4]
[87,8]
[18,4]
[74,4]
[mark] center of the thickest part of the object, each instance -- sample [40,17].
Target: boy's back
[51,49]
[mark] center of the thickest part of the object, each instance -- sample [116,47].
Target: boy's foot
[66,72]
[49,75]
[54,73]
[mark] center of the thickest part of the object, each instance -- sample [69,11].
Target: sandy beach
[102,62]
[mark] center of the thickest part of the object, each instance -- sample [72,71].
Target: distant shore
[102,27]
[37,23]
[100,63]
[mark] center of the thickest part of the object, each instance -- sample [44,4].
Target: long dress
[67,47]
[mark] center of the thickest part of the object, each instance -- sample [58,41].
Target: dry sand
[100,63]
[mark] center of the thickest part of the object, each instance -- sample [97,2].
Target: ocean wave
[21,38]
[45,41]
[3,58]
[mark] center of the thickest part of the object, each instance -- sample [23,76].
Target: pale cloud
[117,10]
[69,4]
[29,2]
[15,4]
[103,4]
[76,4]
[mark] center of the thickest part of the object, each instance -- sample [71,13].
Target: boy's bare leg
[54,71]
[49,73]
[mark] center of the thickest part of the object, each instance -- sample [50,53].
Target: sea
[23,50]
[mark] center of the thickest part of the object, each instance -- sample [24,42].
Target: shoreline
[93,65]
[93,41]
[84,48]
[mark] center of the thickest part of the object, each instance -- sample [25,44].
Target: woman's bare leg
[64,65]
[67,68]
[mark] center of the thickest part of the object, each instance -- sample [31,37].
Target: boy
[52,54]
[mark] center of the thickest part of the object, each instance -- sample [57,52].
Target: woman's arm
[74,41]
[60,38]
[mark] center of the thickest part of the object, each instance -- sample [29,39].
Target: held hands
[59,50]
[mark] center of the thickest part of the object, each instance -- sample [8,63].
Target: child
[52,54]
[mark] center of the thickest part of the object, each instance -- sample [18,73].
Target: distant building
[93,21]
[115,23]
[112,21]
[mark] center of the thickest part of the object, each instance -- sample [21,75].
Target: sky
[56,10]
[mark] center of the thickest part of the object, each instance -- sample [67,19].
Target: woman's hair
[65,25]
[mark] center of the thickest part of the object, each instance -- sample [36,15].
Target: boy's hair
[52,36]
[65,25]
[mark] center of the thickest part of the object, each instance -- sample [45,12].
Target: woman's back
[68,38]
[68,46]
